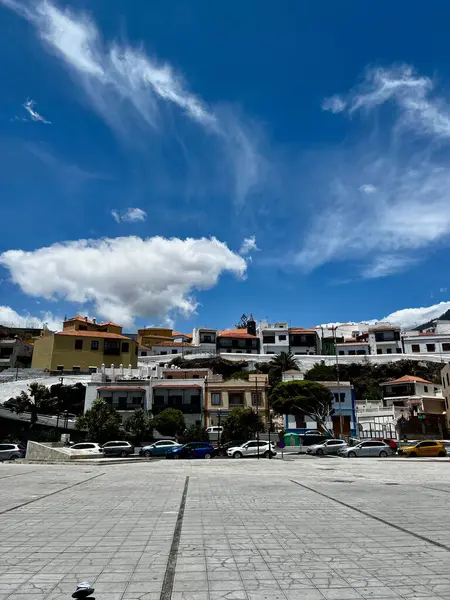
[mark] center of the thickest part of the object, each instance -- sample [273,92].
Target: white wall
[346,348]
[422,341]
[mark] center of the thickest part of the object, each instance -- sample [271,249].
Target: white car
[214,429]
[252,448]
[328,447]
[86,448]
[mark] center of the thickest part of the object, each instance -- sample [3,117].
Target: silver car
[12,451]
[328,447]
[379,449]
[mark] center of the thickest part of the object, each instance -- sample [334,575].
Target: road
[42,419]
[310,529]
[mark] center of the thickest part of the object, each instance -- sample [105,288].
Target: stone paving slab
[247,532]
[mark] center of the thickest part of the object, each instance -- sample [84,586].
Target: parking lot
[316,529]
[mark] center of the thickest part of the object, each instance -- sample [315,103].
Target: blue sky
[173,162]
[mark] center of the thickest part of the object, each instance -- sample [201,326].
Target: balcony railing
[236,404]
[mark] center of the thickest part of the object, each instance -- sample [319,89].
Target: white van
[214,429]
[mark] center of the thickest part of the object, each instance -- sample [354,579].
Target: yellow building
[221,397]
[154,335]
[84,345]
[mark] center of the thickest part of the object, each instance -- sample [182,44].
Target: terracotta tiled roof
[237,333]
[172,383]
[79,318]
[109,323]
[95,334]
[408,379]
[301,330]
[174,344]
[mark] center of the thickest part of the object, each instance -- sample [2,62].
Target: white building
[426,342]
[303,341]
[274,338]
[385,338]
[353,348]
[375,418]
[205,339]
[291,375]
[412,393]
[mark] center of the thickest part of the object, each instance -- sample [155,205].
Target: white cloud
[334,104]
[387,264]
[405,159]
[125,277]
[34,115]
[129,90]
[409,318]
[130,215]
[248,245]
[11,318]
[367,188]
[442,289]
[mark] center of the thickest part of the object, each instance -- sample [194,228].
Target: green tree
[240,375]
[304,398]
[280,363]
[241,424]
[139,426]
[242,322]
[170,422]
[70,397]
[101,422]
[37,400]
[194,433]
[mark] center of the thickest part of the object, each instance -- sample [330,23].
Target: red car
[390,442]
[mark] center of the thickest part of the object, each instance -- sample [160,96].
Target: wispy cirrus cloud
[130,215]
[386,197]
[129,90]
[29,106]
[248,245]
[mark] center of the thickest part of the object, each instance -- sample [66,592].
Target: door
[251,449]
[364,449]
[427,449]
[5,451]
[332,446]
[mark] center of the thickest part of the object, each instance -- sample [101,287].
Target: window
[399,350]
[341,352]
[431,347]
[446,347]
[76,369]
[175,351]
[256,399]
[216,399]
[360,352]
[415,348]
[425,388]
[144,353]
[60,368]
[269,339]
[427,444]
[122,402]
[339,397]
[163,352]
[446,404]
[388,350]
[448,380]
[125,346]
[78,344]
[196,376]
[379,351]
[82,328]
[351,352]
[282,338]
[94,345]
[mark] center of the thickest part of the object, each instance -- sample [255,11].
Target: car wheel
[207,456]
[176,456]
[147,453]
[383,454]
[441,454]
[266,454]
[351,454]
[123,454]
[13,457]
[413,454]
[237,455]
[319,452]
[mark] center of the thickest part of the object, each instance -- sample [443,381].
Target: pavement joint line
[169,575]
[16,475]
[379,519]
[68,487]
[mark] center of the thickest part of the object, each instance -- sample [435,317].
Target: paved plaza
[298,529]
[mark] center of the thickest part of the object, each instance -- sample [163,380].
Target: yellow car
[424,448]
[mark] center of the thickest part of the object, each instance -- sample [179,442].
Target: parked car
[214,429]
[86,448]
[118,448]
[223,448]
[328,447]
[311,439]
[12,451]
[423,448]
[252,448]
[372,448]
[192,450]
[389,441]
[159,448]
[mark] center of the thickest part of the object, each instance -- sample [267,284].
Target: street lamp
[219,431]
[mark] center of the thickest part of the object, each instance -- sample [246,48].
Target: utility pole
[257,416]
[341,419]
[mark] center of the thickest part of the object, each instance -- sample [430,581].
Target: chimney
[86,319]
[94,320]
[251,325]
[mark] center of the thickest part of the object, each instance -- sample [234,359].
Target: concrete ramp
[42,452]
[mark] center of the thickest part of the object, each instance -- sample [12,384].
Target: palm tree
[280,363]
